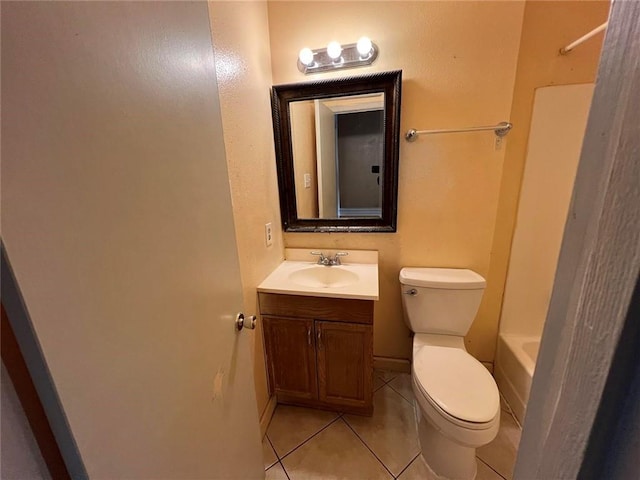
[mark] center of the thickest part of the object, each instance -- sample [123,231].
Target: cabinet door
[345,363]
[290,350]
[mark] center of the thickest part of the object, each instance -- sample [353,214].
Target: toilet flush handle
[411,292]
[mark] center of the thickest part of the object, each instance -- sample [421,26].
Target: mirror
[337,153]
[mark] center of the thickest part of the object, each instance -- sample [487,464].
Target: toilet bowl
[457,399]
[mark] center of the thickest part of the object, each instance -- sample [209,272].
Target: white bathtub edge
[510,394]
[514,371]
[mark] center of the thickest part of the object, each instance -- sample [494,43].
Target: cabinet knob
[248,322]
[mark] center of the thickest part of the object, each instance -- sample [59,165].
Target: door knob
[248,322]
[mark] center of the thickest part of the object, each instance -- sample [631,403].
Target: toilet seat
[457,386]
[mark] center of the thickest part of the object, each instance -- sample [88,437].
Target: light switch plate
[268,234]
[307,180]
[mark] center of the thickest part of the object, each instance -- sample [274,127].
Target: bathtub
[516,358]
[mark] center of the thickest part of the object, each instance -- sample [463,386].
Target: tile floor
[303,443]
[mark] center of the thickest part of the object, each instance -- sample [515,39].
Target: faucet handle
[322,259]
[336,258]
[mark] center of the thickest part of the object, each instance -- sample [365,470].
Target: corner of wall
[538,65]
[243,68]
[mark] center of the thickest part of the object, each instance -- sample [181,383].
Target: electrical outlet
[307,180]
[268,234]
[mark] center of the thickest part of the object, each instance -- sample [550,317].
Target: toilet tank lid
[445,278]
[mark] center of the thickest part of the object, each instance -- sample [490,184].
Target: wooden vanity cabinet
[290,343]
[319,351]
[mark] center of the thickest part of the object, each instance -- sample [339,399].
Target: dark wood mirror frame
[388,83]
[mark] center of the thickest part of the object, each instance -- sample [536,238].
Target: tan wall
[459,63]
[448,185]
[547,26]
[303,138]
[241,46]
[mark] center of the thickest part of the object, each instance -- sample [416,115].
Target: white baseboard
[267,414]
[392,364]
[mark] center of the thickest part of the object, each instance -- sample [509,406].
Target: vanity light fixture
[334,49]
[337,56]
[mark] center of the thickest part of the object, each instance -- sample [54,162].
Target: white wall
[557,129]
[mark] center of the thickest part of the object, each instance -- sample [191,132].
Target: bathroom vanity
[319,350]
[318,332]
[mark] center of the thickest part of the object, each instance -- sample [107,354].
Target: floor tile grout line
[284,470]
[307,440]
[387,381]
[368,448]
[408,465]
[266,435]
[513,415]
[383,384]
[403,397]
[277,462]
[497,472]
[510,411]
[516,420]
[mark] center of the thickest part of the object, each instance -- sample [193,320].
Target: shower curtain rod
[500,130]
[584,38]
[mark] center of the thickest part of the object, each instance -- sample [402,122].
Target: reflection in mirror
[338,154]
[337,147]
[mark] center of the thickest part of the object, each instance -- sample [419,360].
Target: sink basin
[323,277]
[299,274]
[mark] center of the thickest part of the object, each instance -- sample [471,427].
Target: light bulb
[306,56]
[334,49]
[364,46]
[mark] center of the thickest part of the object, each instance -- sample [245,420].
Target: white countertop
[362,263]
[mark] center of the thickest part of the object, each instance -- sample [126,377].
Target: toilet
[458,401]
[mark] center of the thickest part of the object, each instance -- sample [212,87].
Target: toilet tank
[440,300]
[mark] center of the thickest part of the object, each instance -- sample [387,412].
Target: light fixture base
[349,58]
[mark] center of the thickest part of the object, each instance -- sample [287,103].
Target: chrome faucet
[328,261]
